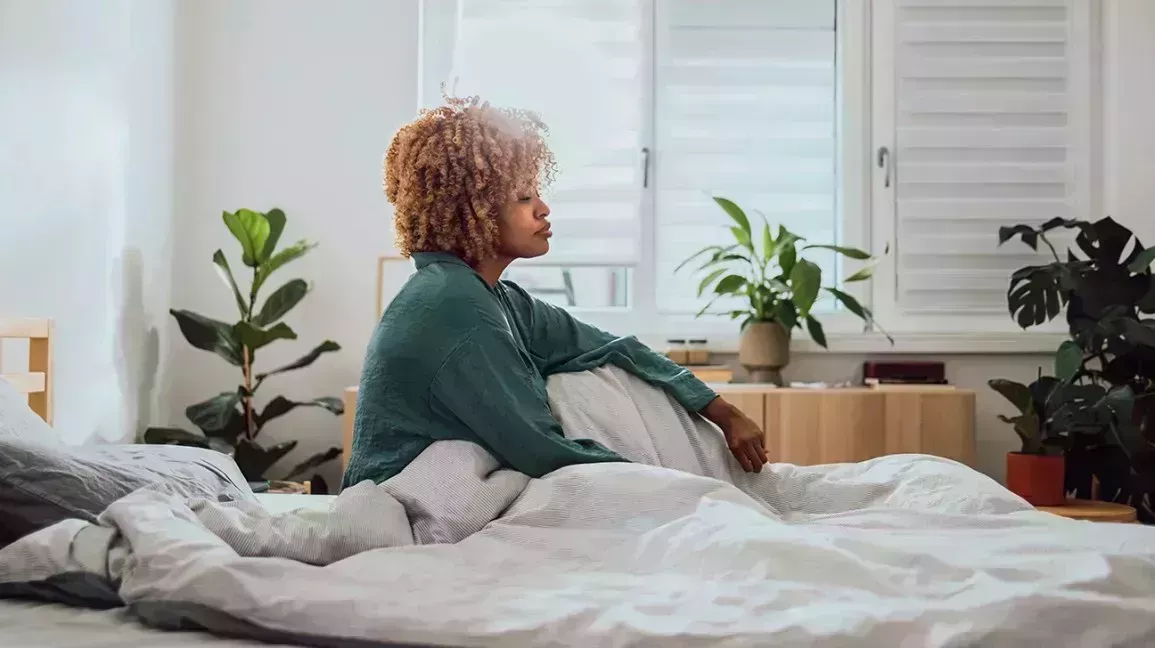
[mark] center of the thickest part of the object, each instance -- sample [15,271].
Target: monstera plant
[1103,398]
[231,421]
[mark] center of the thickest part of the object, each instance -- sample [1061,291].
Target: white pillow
[18,421]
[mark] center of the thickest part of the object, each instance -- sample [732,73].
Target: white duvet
[903,550]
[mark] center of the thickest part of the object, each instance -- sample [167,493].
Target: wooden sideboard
[818,426]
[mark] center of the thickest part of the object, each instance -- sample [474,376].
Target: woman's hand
[742,435]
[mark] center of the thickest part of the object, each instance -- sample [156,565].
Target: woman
[461,354]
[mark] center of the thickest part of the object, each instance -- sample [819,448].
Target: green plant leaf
[863,273]
[768,244]
[705,250]
[853,253]
[254,460]
[786,314]
[328,346]
[312,463]
[736,214]
[255,338]
[276,219]
[280,406]
[743,238]
[851,304]
[216,413]
[1068,361]
[251,229]
[787,257]
[209,335]
[226,275]
[730,284]
[1026,426]
[174,436]
[294,251]
[283,299]
[816,332]
[1029,234]
[1142,261]
[1035,294]
[1017,393]
[1140,332]
[805,282]
[710,278]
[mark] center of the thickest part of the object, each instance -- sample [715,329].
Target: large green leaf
[1026,426]
[768,243]
[174,436]
[1142,261]
[816,332]
[730,284]
[1035,295]
[786,314]
[283,299]
[709,279]
[1140,332]
[1068,361]
[309,358]
[787,257]
[1017,393]
[312,463]
[294,251]
[1029,234]
[805,282]
[853,253]
[276,219]
[254,460]
[216,413]
[209,335]
[226,274]
[736,214]
[280,406]
[251,229]
[255,338]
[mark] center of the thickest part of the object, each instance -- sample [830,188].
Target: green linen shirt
[456,358]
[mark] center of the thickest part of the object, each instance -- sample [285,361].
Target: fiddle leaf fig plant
[767,271]
[231,421]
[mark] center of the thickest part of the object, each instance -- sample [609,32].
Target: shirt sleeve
[487,386]
[561,343]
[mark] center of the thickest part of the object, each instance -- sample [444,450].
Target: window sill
[909,343]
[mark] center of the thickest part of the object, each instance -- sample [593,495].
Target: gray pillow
[43,484]
[18,421]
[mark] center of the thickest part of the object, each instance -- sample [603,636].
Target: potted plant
[1106,370]
[230,421]
[779,287]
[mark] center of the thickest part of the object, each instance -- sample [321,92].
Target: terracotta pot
[1036,478]
[764,350]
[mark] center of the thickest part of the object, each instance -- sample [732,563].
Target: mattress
[26,624]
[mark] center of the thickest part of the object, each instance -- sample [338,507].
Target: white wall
[288,104]
[85,200]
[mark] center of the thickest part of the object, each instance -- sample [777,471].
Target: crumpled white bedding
[902,550]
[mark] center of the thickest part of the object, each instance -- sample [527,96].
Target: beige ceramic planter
[763,350]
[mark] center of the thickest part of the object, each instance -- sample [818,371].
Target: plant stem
[1043,238]
[250,431]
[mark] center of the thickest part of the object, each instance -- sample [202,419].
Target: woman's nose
[542,208]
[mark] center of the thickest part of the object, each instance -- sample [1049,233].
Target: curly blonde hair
[449,172]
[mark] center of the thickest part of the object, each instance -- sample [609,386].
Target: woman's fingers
[739,452]
[754,452]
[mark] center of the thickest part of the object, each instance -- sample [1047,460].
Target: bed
[679,547]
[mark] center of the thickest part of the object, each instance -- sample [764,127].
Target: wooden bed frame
[37,381]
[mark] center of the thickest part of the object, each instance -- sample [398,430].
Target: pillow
[18,421]
[41,485]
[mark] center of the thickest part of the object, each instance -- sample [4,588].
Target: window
[920,126]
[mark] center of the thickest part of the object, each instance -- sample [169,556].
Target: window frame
[643,318]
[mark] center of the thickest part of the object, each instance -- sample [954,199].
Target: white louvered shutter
[986,134]
[578,63]
[745,108]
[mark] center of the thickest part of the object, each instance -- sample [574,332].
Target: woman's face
[524,229]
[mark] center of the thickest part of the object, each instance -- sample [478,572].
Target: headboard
[37,381]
